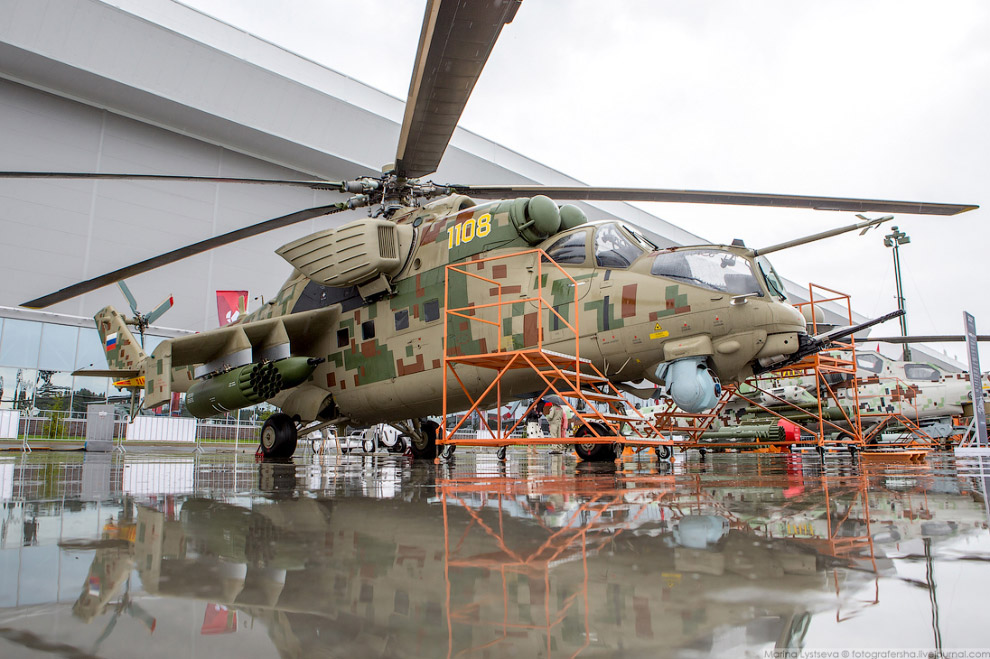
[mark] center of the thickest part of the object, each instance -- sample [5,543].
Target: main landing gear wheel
[424,444]
[663,452]
[368,446]
[278,437]
[595,452]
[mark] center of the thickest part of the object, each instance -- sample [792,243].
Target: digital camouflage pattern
[383,356]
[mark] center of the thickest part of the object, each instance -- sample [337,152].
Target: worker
[533,429]
[555,416]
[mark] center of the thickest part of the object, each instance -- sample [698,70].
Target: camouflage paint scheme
[384,357]
[915,390]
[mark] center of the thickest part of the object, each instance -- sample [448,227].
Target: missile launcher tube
[247,385]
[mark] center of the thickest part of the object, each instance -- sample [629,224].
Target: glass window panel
[53,391]
[612,249]
[569,249]
[20,343]
[920,372]
[88,390]
[8,385]
[58,347]
[870,363]
[717,270]
[90,352]
[18,387]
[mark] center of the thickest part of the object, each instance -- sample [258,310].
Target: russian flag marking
[111,341]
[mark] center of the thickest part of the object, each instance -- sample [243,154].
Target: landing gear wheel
[448,451]
[703,453]
[278,437]
[595,452]
[500,453]
[368,445]
[663,452]
[424,446]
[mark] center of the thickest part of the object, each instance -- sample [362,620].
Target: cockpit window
[569,249]
[921,372]
[774,284]
[612,249]
[871,363]
[714,269]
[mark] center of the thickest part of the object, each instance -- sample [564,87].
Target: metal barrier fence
[63,426]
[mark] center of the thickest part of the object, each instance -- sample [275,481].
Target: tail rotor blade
[130,298]
[162,307]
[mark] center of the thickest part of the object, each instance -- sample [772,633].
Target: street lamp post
[894,239]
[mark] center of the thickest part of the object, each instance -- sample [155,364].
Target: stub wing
[176,363]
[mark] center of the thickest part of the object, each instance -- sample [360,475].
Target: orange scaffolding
[828,369]
[599,408]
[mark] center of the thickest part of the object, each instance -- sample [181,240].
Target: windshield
[709,268]
[613,249]
[774,283]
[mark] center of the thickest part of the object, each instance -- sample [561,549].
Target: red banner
[231,305]
[218,620]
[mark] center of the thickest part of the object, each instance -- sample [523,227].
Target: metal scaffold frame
[566,376]
[692,427]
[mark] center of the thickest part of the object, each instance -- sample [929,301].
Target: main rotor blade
[70,292]
[709,197]
[931,338]
[315,185]
[455,43]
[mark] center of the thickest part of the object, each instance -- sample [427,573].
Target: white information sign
[974,379]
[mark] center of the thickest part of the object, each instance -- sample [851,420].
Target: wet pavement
[218,556]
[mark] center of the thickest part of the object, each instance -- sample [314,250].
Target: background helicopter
[426,130]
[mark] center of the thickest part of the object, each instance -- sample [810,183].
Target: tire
[448,451]
[426,449]
[278,437]
[400,445]
[663,452]
[500,453]
[595,452]
[368,445]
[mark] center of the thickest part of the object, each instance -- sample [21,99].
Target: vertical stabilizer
[121,349]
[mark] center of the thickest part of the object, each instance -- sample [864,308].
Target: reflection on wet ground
[214,555]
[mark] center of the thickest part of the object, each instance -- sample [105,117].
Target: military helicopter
[355,333]
[917,391]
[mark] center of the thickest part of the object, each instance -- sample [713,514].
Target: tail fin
[123,351]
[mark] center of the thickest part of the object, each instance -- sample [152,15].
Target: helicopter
[354,336]
[920,392]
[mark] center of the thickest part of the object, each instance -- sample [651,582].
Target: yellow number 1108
[465,231]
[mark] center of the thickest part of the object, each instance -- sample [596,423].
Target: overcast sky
[879,99]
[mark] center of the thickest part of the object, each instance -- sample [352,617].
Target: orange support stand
[583,388]
[823,367]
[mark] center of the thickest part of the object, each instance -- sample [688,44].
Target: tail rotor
[142,321]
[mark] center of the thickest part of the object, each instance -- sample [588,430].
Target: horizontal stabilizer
[115,373]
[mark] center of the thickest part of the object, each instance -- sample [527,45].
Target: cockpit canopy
[714,269]
[616,245]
